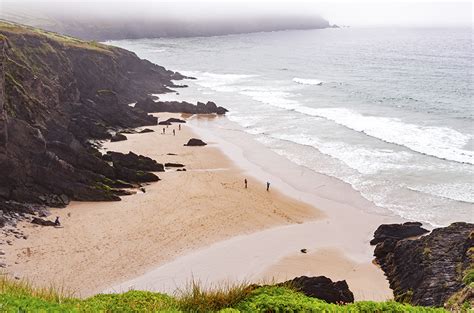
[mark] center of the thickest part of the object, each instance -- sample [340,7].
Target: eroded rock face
[150,106]
[323,288]
[195,142]
[57,99]
[428,270]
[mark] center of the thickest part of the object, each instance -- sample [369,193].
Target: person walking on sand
[174,132]
[179,126]
[245,182]
[164,131]
[56,222]
[268,186]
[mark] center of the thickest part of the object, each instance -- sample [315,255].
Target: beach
[203,224]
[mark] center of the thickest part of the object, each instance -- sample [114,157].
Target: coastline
[212,238]
[104,243]
[266,261]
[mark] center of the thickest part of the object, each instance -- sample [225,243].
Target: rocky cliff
[431,269]
[56,94]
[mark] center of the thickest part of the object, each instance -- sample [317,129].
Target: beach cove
[203,224]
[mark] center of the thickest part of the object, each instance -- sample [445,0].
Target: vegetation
[20,296]
[66,41]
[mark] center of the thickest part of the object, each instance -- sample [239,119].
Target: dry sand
[105,243]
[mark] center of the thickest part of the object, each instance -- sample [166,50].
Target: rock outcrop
[397,231]
[195,142]
[150,106]
[56,94]
[429,270]
[323,288]
[118,137]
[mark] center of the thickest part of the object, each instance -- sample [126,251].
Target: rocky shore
[434,270]
[58,96]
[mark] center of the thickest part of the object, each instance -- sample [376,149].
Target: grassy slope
[18,296]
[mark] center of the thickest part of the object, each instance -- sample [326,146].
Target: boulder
[174,165]
[429,270]
[322,288]
[164,123]
[175,120]
[397,231]
[146,130]
[195,142]
[118,137]
[42,222]
[134,161]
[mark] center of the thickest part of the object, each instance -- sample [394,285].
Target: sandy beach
[201,224]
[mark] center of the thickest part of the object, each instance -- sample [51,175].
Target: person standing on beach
[179,126]
[174,132]
[164,130]
[245,182]
[268,186]
[57,222]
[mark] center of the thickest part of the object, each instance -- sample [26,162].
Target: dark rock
[397,231]
[134,161]
[135,176]
[181,170]
[146,130]
[60,98]
[304,250]
[150,106]
[427,271]
[164,123]
[174,165]
[195,142]
[42,222]
[118,137]
[175,120]
[171,154]
[322,288]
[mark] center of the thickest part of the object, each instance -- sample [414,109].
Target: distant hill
[102,26]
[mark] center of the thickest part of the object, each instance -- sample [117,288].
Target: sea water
[387,110]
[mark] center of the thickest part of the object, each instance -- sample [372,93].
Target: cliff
[56,94]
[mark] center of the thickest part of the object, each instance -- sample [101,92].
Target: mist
[109,19]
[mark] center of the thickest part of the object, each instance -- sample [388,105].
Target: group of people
[174,130]
[246,183]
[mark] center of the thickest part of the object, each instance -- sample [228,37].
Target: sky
[354,13]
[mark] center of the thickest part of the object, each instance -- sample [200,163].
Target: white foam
[363,160]
[218,82]
[307,81]
[454,191]
[273,97]
[441,142]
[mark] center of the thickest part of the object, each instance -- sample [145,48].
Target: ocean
[387,110]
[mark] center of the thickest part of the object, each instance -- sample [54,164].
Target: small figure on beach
[56,222]
[245,182]
[179,126]
[268,186]
[164,131]
[174,132]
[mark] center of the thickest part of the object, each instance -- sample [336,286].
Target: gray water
[387,110]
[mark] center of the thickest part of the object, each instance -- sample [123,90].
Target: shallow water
[388,111]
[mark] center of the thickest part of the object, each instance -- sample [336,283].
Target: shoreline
[260,244]
[104,243]
[262,258]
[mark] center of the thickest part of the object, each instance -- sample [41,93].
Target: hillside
[57,93]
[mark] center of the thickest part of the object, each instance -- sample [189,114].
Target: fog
[354,13]
[110,19]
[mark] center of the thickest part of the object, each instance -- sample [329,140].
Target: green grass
[11,27]
[20,296]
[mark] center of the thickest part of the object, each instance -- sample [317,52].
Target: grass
[21,296]
[11,27]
